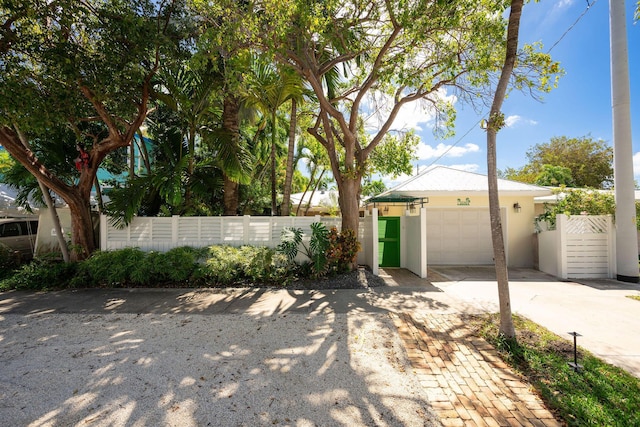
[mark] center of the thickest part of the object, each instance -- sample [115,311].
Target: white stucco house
[458,230]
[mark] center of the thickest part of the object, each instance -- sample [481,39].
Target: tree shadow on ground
[204,358]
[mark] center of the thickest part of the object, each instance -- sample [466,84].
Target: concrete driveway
[597,309]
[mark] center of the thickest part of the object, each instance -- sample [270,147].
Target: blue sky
[581,105]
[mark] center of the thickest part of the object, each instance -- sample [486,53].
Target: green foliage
[381,56]
[554,176]
[329,251]
[176,266]
[372,188]
[316,251]
[579,202]
[342,251]
[589,161]
[290,239]
[182,266]
[8,261]
[600,395]
[318,245]
[228,266]
[6,162]
[395,154]
[40,274]
[109,268]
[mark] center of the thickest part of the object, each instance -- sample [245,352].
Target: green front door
[389,241]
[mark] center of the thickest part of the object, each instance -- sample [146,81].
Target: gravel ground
[288,369]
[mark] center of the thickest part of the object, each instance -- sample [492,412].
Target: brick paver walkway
[466,381]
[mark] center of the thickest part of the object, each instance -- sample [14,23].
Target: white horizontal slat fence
[581,247]
[164,233]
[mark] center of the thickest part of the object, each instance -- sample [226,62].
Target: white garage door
[459,236]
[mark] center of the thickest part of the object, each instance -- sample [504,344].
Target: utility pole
[626,230]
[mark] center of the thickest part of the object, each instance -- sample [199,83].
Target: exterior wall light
[516,207]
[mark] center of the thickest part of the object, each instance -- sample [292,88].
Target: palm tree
[269,87]
[193,151]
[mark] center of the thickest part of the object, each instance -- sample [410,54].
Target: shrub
[108,268]
[342,251]
[228,265]
[175,266]
[40,274]
[291,240]
[8,261]
[577,202]
[216,265]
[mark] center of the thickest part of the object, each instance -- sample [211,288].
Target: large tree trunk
[286,191]
[349,200]
[231,126]
[496,121]
[82,235]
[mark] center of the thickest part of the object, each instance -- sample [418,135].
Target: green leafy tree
[398,52]
[589,161]
[575,201]
[555,176]
[394,156]
[372,188]
[85,66]
[6,162]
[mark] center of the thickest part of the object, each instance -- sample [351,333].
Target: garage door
[459,236]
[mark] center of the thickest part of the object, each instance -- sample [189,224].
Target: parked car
[19,234]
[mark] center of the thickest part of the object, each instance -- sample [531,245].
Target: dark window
[31,227]
[11,229]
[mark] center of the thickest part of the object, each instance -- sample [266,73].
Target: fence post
[561,226]
[423,243]
[246,220]
[374,242]
[103,232]
[611,246]
[175,225]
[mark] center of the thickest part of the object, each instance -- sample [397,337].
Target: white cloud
[413,115]
[563,4]
[513,120]
[426,151]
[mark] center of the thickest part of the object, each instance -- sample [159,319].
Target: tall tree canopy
[76,78]
[385,55]
[589,161]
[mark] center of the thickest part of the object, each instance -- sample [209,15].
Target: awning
[397,199]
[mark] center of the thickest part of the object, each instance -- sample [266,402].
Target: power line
[455,143]
[573,25]
[589,5]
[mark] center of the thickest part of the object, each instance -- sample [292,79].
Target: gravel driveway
[320,368]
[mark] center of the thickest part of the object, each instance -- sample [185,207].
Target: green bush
[228,265]
[40,274]
[343,250]
[175,266]
[109,268]
[183,266]
[8,261]
[291,240]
